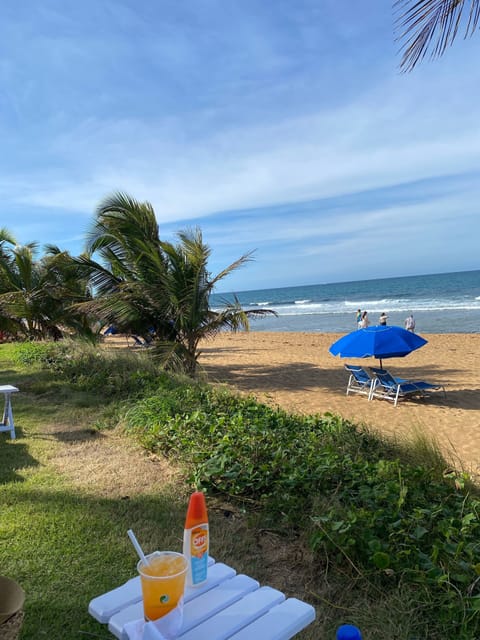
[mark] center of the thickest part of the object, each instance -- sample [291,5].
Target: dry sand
[296,372]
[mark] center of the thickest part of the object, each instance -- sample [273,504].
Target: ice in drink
[163,582]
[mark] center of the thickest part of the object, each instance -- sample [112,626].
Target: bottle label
[199,553]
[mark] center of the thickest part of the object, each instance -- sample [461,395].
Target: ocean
[440,303]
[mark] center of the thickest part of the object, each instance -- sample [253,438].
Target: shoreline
[295,371]
[441,321]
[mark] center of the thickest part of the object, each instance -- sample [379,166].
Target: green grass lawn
[64,540]
[64,544]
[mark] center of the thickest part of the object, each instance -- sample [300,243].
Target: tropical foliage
[371,511]
[37,296]
[155,289]
[127,278]
[430,26]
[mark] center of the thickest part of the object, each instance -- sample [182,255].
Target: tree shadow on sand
[301,376]
[295,376]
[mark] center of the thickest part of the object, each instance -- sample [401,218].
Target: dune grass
[70,489]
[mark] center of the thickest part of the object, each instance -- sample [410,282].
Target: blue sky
[275,126]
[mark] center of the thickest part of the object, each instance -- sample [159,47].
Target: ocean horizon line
[347,282]
[441,303]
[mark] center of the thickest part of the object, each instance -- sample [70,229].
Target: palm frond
[152,287]
[247,257]
[430,26]
[121,220]
[173,356]
[6,236]
[53,250]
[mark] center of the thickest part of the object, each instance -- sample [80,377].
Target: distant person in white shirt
[383,319]
[410,323]
[364,322]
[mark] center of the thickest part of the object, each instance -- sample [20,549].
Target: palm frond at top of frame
[430,26]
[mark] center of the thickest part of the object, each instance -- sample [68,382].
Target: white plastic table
[227,605]
[7,423]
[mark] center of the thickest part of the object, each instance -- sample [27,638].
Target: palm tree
[158,290]
[425,26]
[36,296]
[190,285]
[129,279]
[7,324]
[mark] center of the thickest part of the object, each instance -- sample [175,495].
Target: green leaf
[381,560]
[419,532]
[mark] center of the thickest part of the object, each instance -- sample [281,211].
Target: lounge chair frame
[360,381]
[387,387]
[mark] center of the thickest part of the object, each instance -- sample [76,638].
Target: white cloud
[236,112]
[328,154]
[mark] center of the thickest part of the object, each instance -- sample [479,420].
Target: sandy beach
[296,372]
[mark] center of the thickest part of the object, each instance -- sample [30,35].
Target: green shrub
[396,521]
[28,353]
[91,368]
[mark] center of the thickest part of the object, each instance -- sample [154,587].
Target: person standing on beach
[383,319]
[364,322]
[410,323]
[359,318]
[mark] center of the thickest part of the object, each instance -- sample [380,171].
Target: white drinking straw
[138,548]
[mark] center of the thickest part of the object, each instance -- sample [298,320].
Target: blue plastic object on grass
[348,632]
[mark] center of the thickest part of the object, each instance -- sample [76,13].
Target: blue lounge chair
[378,370]
[360,381]
[390,388]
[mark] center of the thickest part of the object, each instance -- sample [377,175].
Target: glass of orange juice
[163,582]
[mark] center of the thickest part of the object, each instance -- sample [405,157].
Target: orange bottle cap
[197,510]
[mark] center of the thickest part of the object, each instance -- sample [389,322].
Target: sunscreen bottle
[195,539]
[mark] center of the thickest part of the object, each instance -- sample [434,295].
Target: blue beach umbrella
[378,342]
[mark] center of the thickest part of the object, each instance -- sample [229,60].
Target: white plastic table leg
[7,422]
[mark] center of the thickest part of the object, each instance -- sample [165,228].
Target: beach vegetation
[365,507]
[431,26]
[38,295]
[381,523]
[88,367]
[156,289]
[129,279]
